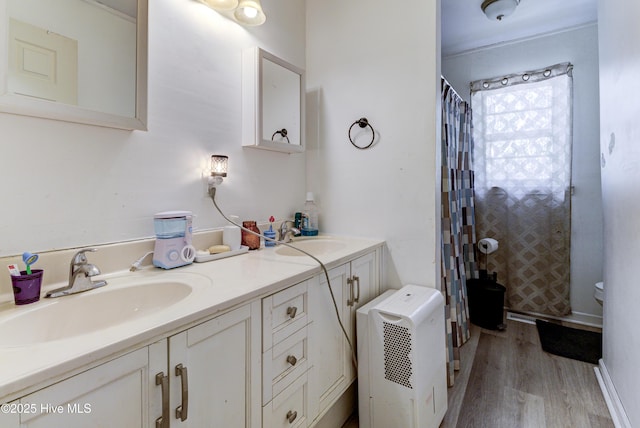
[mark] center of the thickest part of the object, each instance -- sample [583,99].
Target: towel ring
[362,123]
[282,132]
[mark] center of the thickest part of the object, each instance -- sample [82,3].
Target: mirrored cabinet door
[272,103]
[91,69]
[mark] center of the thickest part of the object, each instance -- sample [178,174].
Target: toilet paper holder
[488,245]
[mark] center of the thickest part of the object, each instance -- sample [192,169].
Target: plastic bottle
[231,235]
[270,233]
[310,217]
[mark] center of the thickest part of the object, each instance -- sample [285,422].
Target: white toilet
[598,294]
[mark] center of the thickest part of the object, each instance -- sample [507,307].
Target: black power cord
[354,357]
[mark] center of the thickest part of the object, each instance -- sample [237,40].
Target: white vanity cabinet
[211,373]
[353,284]
[307,363]
[285,357]
[269,356]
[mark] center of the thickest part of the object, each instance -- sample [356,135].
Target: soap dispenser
[310,217]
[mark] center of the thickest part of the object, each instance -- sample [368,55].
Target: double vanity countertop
[52,339]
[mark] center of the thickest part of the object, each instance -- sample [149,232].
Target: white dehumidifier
[401,359]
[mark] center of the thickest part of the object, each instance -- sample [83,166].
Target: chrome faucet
[287,232]
[80,273]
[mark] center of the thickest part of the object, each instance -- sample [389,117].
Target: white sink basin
[89,312]
[316,247]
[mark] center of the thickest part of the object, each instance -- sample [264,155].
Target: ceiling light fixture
[246,12]
[249,12]
[221,4]
[498,9]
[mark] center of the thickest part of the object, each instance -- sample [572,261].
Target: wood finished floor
[506,380]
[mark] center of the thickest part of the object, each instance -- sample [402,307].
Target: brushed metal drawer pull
[182,410]
[292,360]
[350,299]
[356,279]
[291,311]
[163,381]
[291,416]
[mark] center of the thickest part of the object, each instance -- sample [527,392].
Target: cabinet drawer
[284,313]
[284,363]
[289,409]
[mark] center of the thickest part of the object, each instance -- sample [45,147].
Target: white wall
[68,185]
[620,146]
[367,59]
[580,47]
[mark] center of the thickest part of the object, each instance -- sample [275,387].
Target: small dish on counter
[211,257]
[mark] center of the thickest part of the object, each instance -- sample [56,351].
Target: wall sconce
[246,12]
[219,168]
[498,9]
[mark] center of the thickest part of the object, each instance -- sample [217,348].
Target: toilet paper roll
[487,245]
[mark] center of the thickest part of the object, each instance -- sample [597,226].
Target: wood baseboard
[575,320]
[618,414]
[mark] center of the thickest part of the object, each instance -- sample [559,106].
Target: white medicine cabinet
[272,103]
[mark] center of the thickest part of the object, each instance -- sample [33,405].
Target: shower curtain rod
[451,88]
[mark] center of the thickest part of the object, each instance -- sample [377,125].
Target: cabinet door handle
[183,409]
[163,381]
[356,279]
[291,359]
[350,300]
[291,416]
[291,311]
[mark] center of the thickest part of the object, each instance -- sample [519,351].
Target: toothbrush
[13,270]
[28,260]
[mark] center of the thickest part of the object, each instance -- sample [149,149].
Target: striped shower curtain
[458,221]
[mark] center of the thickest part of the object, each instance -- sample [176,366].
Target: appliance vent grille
[397,351]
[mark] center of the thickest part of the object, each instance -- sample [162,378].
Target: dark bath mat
[569,342]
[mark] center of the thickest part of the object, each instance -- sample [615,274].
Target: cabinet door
[362,288]
[364,276]
[215,371]
[10,414]
[114,394]
[329,353]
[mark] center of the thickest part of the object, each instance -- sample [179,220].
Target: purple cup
[26,288]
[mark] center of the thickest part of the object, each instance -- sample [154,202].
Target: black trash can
[486,303]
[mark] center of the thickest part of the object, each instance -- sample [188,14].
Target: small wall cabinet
[273,93]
